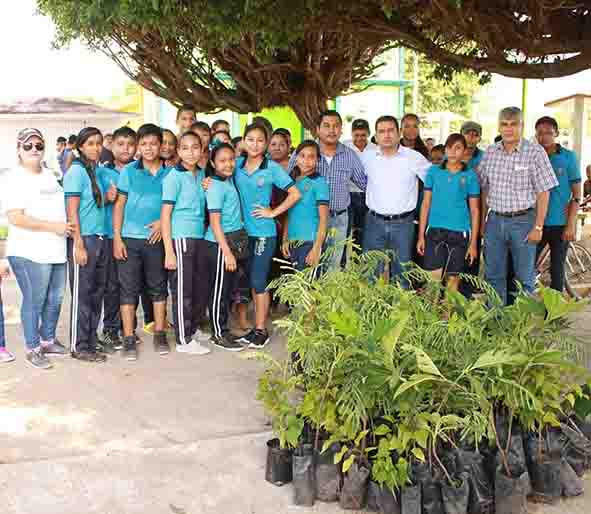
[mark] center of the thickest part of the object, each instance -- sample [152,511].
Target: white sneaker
[201,336]
[193,347]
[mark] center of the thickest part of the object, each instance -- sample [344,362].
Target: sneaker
[129,350]
[201,336]
[89,356]
[149,328]
[5,356]
[37,359]
[161,344]
[104,346]
[260,340]
[227,342]
[247,338]
[113,339]
[193,347]
[53,348]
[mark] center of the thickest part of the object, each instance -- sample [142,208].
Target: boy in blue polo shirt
[450,215]
[307,220]
[123,148]
[183,228]
[137,238]
[560,222]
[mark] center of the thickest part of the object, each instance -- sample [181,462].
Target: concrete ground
[165,435]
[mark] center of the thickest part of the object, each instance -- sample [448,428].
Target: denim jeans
[337,233]
[501,235]
[42,287]
[396,236]
[2,334]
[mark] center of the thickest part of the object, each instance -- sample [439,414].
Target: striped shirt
[344,166]
[512,180]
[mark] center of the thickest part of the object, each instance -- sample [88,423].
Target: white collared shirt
[392,186]
[370,147]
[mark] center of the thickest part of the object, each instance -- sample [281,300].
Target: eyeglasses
[27,147]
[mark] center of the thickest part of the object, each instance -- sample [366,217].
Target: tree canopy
[246,55]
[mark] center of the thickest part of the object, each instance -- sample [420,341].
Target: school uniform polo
[108,175]
[255,191]
[303,218]
[566,168]
[475,159]
[450,194]
[222,198]
[144,198]
[183,190]
[78,183]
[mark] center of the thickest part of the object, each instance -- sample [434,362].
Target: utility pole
[415,83]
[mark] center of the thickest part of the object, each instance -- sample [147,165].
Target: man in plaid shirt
[516,178]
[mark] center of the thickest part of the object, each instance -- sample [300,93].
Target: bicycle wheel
[543,268]
[577,271]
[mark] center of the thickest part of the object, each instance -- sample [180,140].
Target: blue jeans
[396,236]
[501,235]
[337,233]
[262,250]
[299,254]
[2,336]
[42,287]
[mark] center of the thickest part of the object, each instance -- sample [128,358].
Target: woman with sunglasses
[36,246]
[85,205]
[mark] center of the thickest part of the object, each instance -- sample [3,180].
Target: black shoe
[89,356]
[113,340]
[247,338]
[161,344]
[103,346]
[260,340]
[129,351]
[227,342]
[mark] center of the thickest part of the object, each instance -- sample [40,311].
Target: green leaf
[425,364]
[571,399]
[421,437]
[382,430]
[418,453]
[419,379]
[339,455]
[360,436]
[348,462]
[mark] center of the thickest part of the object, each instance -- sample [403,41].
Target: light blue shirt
[184,192]
[222,198]
[78,183]
[566,168]
[108,175]
[144,198]
[255,190]
[303,218]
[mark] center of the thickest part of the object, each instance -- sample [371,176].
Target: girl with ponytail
[85,205]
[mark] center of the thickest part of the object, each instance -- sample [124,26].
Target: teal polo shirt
[108,175]
[222,197]
[566,167]
[255,190]
[144,198]
[303,218]
[475,159]
[183,190]
[450,193]
[77,183]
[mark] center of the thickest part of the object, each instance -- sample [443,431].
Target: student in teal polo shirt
[137,239]
[561,219]
[255,177]
[307,220]
[183,229]
[123,148]
[225,226]
[85,206]
[450,214]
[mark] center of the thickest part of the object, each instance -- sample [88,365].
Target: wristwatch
[539,228]
[576,200]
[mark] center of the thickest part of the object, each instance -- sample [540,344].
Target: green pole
[524,97]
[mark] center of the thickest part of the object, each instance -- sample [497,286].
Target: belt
[391,217]
[337,213]
[513,214]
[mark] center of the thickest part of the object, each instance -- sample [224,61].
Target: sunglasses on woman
[27,147]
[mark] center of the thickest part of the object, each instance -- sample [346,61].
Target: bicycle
[577,270]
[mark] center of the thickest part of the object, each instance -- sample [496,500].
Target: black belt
[391,217]
[513,214]
[337,213]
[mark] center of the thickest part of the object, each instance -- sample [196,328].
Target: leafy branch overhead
[246,55]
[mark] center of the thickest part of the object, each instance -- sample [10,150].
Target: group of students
[180,213]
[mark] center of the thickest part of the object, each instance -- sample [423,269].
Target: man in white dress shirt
[392,192]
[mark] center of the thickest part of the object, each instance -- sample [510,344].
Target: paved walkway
[166,435]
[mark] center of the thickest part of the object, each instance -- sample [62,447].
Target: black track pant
[222,286]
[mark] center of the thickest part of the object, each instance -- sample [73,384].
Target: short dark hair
[387,118]
[438,148]
[72,139]
[149,129]
[185,108]
[219,122]
[236,140]
[201,125]
[430,139]
[222,131]
[282,130]
[62,139]
[125,132]
[187,134]
[547,120]
[330,113]
[452,139]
